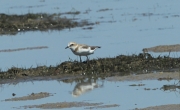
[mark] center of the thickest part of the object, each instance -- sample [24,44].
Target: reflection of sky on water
[124,29]
[128,97]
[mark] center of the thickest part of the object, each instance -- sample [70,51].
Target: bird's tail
[94,47]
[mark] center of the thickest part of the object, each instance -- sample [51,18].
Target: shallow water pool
[150,93]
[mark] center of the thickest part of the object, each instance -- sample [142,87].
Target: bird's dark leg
[80,58]
[87,58]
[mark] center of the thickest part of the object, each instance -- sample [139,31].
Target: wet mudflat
[32,96]
[35,66]
[163,107]
[12,24]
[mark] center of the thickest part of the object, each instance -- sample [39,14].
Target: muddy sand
[32,96]
[57,105]
[12,24]
[150,76]
[70,105]
[163,107]
[102,67]
[163,48]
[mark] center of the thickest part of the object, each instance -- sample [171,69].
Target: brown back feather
[85,46]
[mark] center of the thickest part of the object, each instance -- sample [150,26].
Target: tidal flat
[136,68]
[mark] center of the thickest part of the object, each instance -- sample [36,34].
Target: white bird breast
[84,52]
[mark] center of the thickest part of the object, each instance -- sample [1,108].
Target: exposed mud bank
[32,96]
[163,107]
[12,24]
[150,76]
[60,105]
[119,65]
[163,48]
[20,49]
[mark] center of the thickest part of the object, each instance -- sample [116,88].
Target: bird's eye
[71,44]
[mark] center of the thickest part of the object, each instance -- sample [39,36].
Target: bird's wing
[84,46]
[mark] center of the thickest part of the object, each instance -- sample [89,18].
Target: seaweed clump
[119,65]
[122,64]
[11,24]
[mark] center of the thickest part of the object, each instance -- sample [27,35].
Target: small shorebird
[83,87]
[81,49]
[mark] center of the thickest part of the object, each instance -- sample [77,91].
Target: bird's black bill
[66,47]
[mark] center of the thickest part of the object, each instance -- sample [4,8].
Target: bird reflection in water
[84,87]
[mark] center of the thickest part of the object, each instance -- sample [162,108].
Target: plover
[83,87]
[81,49]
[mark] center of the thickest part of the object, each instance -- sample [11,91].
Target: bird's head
[71,45]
